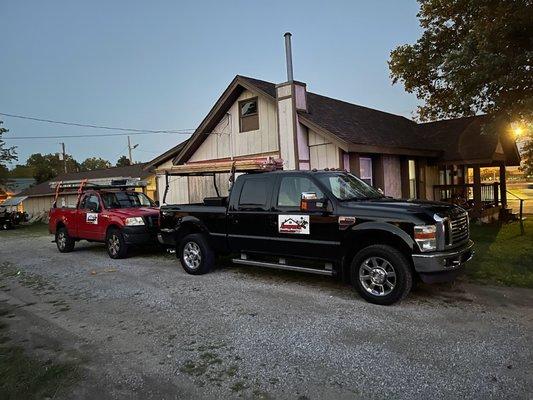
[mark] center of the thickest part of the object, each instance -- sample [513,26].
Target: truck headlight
[134,221]
[426,237]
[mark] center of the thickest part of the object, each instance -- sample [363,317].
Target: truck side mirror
[309,202]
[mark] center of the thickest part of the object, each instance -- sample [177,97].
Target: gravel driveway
[142,328]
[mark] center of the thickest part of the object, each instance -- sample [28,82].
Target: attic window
[248,115]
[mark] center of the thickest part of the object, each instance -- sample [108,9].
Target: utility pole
[130,148]
[64,157]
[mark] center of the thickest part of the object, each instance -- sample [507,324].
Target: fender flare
[386,227]
[189,220]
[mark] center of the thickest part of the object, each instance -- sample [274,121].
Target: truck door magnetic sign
[92,218]
[294,224]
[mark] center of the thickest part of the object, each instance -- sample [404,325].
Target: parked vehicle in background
[323,222]
[115,215]
[6,219]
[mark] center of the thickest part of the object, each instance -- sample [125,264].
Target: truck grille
[459,227]
[152,221]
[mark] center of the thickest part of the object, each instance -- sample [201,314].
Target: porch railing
[465,192]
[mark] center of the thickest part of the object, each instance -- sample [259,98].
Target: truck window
[88,199]
[125,200]
[254,192]
[291,188]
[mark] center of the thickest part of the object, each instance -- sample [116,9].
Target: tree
[49,166]
[92,163]
[474,56]
[527,152]
[123,161]
[7,154]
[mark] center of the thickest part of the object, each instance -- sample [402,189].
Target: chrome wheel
[192,255]
[62,240]
[113,243]
[377,276]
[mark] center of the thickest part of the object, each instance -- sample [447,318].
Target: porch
[462,185]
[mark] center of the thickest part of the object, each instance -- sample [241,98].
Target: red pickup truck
[119,218]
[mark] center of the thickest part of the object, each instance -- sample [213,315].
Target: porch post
[503,185]
[477,189]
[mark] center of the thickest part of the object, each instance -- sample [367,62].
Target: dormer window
[248,115]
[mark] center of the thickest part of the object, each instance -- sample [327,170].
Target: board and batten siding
[263,140]
[322,153]
[392,176]
[42,204]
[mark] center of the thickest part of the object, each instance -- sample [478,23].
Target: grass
[33,230]
[25,377]
[503,256]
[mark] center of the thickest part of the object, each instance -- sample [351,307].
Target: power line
[93,135]
[140,131]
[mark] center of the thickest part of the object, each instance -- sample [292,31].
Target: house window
[412,179]
[365,170]
[248,115]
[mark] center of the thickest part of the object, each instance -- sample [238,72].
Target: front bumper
[442,266]
[139,235]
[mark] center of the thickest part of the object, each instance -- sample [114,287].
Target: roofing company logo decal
[296,224]
[92,218]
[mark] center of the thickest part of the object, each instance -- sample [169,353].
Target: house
[39,198]
[10,190]
[254,118]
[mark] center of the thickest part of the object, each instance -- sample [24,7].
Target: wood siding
[263,140]
[391,171]
[323,153]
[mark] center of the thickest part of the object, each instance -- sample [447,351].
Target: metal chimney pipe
[288,56]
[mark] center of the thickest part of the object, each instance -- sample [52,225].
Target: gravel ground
[142,328]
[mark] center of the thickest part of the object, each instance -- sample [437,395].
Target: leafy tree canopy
[123,161]
[7,154]
[474,56]
[49,166]
[527,152]
[92,163]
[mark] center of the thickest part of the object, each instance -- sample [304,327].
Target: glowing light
[518,131]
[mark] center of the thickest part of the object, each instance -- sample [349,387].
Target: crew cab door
[90,223]
[249,213]
[309,234]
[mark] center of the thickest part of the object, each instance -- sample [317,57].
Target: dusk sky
[163,64]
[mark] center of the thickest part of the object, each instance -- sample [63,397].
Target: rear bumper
[138,235]
[443,266]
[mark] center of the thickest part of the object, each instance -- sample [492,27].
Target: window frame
[249,116]
[371,177]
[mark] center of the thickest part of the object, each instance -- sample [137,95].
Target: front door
[90,221]
[310,234]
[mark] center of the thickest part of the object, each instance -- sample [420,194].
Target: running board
[282,266]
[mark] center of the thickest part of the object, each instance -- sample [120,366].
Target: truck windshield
[125,200]
[347,187]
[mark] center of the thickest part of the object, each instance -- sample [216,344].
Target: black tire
[381,264]
[64,243]
[115,244]
[205,259]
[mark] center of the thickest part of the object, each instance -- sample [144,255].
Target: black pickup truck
[323,222]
